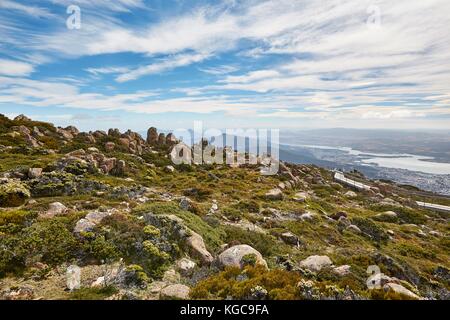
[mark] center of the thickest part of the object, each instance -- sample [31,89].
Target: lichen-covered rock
[198,248]
[84,225]
[34,173]
[56,208]
[316,263]
[175,292]
[274,194]
[400,290]
[186,266]
[13,194]
[342,270]
[233,256]
[351,194]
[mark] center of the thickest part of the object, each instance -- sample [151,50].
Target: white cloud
[30,10]
[15,68]
[161,66]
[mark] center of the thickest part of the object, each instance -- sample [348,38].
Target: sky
[295,64]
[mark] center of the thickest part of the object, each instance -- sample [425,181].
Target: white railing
[432,206]
[339,176]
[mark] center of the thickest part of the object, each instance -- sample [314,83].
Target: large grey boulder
[232,257]
[316,263]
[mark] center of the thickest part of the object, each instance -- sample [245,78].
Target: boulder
[169,169]
[401,290]
[13,194]
[198,248]
[232,257]
[56,208]
[354,229]
[185,266]
[175,292]
[336,216]
[97,216]
[274,194]
[342,270]
[171,139]
[186,204]
[109,146]
[93,150]
[34,173]
[316,263]
[161,139]
[84,225]
[300,197]
[152,136]
[290,238]
[114,133]
[22,117]
[350,194]
[308,216]
[387,216]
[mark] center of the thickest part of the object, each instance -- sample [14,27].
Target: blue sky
[271,64]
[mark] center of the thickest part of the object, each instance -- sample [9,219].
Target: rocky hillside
[111,209]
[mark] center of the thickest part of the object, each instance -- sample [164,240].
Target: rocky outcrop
[152,136]
[233,257]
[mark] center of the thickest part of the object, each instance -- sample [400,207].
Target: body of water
[394,161]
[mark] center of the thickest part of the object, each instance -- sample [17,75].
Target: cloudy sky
[274,64]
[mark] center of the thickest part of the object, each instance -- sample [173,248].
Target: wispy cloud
[270,59]
[15,68]
[161,66]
